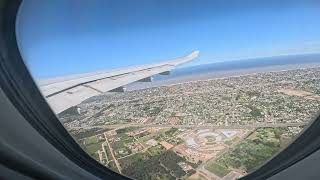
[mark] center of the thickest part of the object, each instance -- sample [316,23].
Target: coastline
[178,80]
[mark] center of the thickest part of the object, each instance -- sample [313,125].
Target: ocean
[230,68]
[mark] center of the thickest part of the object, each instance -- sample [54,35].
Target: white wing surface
[65,92]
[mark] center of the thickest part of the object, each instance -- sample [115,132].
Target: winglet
[185,59]
[194,54]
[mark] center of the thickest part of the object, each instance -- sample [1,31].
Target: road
[104,151]
[206,126]
[112,154]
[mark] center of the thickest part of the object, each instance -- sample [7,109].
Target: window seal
[20,88]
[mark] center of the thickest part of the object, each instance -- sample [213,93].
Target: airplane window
[176,89]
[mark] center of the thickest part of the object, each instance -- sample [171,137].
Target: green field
[142,166]
[232,141]
[155,166]
[125,130]
[121,144]
[166,135]
[156,150]
[217,169]
[91,140]
[128,161]
[256,149]
[153,135]
[83,133]
[91,145]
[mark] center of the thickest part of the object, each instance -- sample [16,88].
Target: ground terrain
[211,129]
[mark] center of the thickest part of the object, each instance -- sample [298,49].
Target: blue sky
[74,36]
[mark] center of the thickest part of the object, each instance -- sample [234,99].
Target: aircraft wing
[65,92]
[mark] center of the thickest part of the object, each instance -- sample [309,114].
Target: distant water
[230,68]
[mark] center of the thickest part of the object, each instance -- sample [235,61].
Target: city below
[218,128]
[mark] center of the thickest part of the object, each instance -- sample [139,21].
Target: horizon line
[180,67]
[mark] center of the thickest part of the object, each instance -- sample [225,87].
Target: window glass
[176,89]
